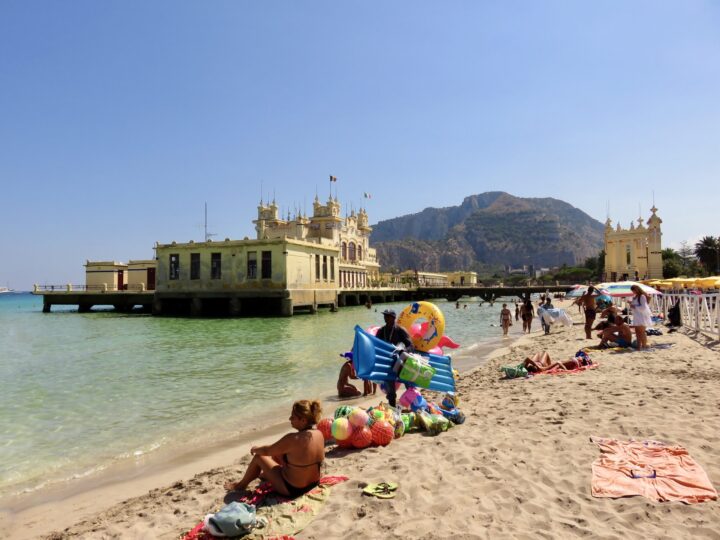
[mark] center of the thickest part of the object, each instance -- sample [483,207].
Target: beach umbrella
[621,289]
[579,290]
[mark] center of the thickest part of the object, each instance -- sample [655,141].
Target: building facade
[634,253]
[293,262]
[462,279]
[105,275]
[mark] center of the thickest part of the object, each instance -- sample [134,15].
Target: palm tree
[707,250]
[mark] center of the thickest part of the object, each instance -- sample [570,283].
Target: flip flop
[383,490]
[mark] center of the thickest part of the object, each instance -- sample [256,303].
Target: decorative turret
[362,222]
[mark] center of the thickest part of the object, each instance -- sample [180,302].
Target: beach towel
[285,517]
[656,470]
[560,371]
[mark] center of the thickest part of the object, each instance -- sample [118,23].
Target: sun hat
[390,312]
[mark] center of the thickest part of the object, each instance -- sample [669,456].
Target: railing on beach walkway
[69,288]
[699,312]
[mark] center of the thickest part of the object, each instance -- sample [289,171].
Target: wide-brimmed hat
[390,312]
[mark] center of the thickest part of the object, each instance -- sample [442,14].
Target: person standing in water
[505,319]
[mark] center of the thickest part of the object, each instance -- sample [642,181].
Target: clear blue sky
[119,119]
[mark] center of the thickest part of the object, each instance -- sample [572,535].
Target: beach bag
[512,372]
[417,370]
[235,519]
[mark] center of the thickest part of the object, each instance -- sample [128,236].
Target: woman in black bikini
[292,464]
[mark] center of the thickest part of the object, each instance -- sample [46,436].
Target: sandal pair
[383,490]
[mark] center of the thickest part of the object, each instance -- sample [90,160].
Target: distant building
[424,279]
[141,275]
[462,279]
[105,275]
[634,253]
[522,271]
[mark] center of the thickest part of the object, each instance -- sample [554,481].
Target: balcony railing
[69,288]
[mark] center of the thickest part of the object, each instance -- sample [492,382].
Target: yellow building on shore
[634,253]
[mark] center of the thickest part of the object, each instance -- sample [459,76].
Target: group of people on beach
[293,464]
[614,331]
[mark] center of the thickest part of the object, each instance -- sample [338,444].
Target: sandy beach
[519,467]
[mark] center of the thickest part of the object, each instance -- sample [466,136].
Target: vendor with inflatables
[394,334]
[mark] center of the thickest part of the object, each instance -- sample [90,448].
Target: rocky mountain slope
[492,228]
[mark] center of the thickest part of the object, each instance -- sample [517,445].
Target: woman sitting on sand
[292,464]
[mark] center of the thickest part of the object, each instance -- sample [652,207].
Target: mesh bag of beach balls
[355,427]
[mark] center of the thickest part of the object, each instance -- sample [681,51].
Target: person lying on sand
[541,361]
[292,464]
[617,335]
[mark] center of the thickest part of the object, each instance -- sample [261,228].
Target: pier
[267,302]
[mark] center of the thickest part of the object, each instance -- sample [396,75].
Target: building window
[194,266]
[252,265]
[266,265]
[332,268]
[174,266]
[317,267]
[351,251]
[344,251]
[359,251]
[325,268]
[215,266]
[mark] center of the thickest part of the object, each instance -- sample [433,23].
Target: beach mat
[286,517]
[560,371]
[658,471]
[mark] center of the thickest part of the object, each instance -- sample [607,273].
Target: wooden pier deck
[269,302]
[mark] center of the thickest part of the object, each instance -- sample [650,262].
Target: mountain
[492,228]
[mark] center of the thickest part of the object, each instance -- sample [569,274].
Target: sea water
[82,391]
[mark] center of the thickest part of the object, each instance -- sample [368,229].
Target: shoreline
[523,456]
[67,502]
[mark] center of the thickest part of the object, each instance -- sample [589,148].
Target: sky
[119,120]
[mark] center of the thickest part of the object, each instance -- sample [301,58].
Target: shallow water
[79,392]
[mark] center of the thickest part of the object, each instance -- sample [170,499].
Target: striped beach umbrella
[621,289]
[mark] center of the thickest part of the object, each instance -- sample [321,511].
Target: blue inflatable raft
[373,359]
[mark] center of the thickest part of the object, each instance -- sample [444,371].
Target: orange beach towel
[658,471]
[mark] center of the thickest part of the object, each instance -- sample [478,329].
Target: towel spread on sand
[286,517]
[560,371]
[658,471]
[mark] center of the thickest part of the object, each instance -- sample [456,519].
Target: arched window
[359,252]
[344,250]
[352,251]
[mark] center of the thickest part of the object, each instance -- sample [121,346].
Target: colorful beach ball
[358,417]
[325,427]
[382,433]
[343,411]
[362,437]
[341,429]
[347,443]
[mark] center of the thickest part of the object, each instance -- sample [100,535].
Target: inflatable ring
[432,328]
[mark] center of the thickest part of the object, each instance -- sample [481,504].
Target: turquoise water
[79,392]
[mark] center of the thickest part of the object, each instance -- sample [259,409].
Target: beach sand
[519,467]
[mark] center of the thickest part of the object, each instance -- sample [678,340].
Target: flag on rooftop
[333,178]
[367,195]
